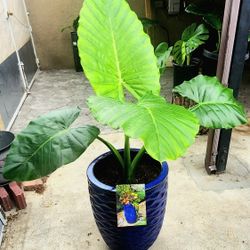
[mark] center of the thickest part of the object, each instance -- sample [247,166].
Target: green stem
[219,41]
[135,163]
[127,157]
[188,59]
[113,150]
[193,108]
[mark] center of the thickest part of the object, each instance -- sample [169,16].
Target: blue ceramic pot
[130,213]
[103,202]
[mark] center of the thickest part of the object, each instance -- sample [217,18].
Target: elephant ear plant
[117,58]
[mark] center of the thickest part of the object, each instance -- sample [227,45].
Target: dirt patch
[12,217]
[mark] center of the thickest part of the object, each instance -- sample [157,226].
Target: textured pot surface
[185,72]
[210,60]
[6,138]
[103,201]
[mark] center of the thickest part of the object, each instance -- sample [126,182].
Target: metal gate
[18,59]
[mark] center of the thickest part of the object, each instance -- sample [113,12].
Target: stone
[35,185]
[18,195]
[5,200]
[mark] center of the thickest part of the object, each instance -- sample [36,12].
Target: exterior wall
[48,18]
[18,21]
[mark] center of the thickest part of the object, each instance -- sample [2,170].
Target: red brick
[33,185]
[18,195]
[5,200]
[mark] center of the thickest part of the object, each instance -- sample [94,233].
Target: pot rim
[195,62]
[210,54]
[10,137]
[91,176]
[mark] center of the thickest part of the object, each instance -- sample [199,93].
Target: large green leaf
[194,36]
[46,144]
[115,52]
[179,52]
[216,107]
[167,130]
[162,53]
[209,14]
[214,21]
[196,10]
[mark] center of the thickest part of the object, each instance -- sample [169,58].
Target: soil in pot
[109,172]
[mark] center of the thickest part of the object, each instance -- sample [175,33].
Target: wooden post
[150,15]
[230,20]
[148,9]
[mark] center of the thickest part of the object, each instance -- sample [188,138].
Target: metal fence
[19,68]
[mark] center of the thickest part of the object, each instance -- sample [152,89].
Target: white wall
[18,23]
[47,18]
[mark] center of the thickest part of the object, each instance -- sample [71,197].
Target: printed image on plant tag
[131,205]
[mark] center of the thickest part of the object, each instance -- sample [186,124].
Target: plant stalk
[135,164]
[127,157]
[113,150]
[219,41]
[188,59]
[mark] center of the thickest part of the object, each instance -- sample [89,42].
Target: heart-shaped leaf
[196,10]
[167,130]
[162,52]
[211,15]
[214,21]
[216,106]
[179,52]
[46,144]
[194,36]
[115,52]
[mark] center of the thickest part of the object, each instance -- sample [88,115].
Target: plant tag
[131,205]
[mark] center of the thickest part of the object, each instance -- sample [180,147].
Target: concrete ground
[203,212]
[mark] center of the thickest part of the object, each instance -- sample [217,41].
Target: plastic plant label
[131,205]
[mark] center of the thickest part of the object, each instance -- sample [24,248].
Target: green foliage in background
[210,16]
[162,53]
[192,37]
